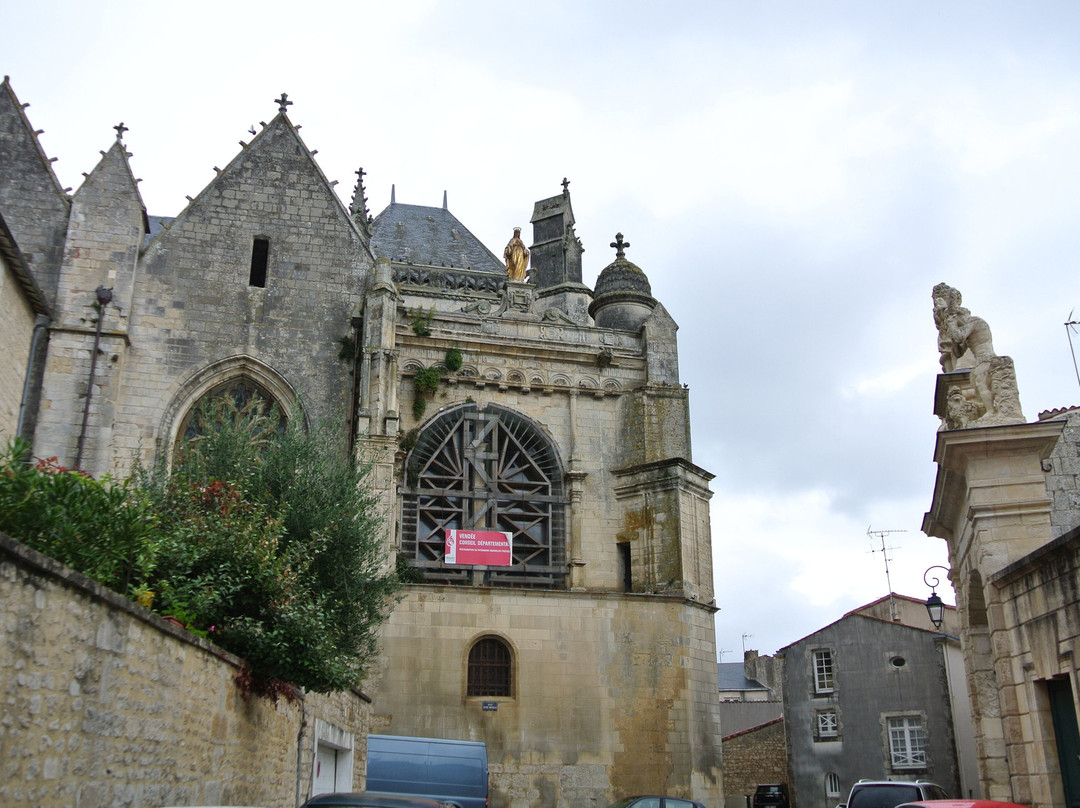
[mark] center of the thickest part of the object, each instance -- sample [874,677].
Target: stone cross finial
[120,129]
[565,185]
[620,246]
[283,103]
[359,200]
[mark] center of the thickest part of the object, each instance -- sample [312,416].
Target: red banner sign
[488,547]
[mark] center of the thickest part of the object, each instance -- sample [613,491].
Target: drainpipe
[300,746]
[41,325]
[354,391]
[104,295]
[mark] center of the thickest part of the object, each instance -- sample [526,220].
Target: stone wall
[753,756]
[1035,605]
[185,316]
[16,334]
[106,704]
[766,670]
[1063,478]
[612,694]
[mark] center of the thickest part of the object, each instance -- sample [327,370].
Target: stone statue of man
[964,342]
[516,256]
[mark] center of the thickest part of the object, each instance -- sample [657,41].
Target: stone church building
[494,400]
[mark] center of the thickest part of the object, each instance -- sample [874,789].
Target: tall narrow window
[823,671]
[907,743]
[624,562]
[489,668]
[260,253]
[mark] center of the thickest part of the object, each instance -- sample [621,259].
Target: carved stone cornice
[662,475]
[449,279]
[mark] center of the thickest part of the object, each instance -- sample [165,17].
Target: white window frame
[824,671]
[907,741]
[828,724]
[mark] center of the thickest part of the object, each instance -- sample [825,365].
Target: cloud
[794,178]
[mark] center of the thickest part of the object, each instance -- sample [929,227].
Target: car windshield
[883,796]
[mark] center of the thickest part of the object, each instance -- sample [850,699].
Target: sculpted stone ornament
[988,394]
[516,256]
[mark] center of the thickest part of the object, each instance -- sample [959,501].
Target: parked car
[890,793]
[656,802]
[361,799]
[960,804]
[771,795]
[455,772]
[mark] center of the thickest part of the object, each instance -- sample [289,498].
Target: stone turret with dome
[623,297]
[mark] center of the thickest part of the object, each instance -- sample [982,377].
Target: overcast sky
[794,178]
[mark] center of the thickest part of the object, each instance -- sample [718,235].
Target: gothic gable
[33,203]
[273,182]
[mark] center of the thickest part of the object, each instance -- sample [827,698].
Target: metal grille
[489,469]
[489,668]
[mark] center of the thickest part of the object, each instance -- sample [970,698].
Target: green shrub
[103,528]
[264,537]
[421,321]
[453,360]
[426,381]
[294,584]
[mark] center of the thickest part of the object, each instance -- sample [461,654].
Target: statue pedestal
[519,295]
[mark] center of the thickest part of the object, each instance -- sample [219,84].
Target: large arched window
[245,395]
[490,668]
[485,469]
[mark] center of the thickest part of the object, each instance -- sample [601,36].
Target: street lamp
[935,606]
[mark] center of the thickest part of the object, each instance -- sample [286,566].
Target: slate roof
[415,234]
[857,613]
[732,676]
[154,225]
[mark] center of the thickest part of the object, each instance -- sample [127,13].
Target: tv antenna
[745,637]
[1069,326]
[880,535]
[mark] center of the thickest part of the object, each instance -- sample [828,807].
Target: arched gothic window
[244,393]
[485,469]
[490,666]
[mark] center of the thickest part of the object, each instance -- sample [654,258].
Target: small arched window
[489,668]
[832,786]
